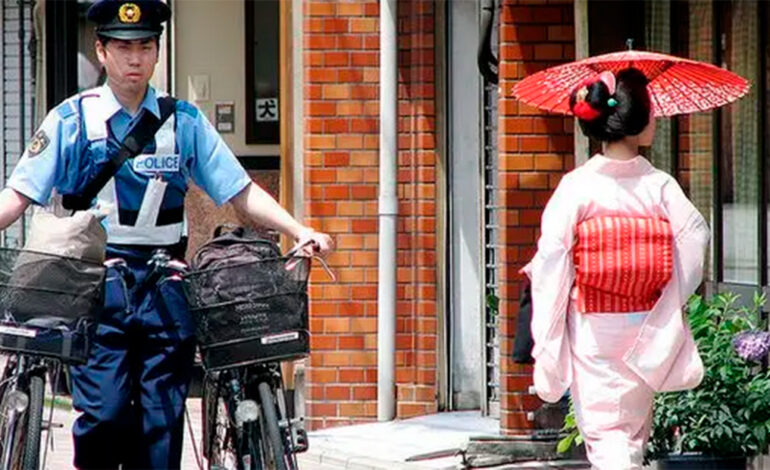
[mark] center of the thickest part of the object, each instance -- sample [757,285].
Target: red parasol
[677,85]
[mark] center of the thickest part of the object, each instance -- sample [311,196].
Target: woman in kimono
[621,249]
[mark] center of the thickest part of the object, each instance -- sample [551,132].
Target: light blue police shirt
[56,158]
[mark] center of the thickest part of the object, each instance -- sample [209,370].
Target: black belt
[145,252]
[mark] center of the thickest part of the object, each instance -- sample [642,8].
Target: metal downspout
[388,210]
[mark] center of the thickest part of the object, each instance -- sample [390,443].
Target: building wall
[210,40]
[341,189]
[536,149]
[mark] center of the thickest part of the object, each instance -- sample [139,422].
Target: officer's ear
[101,50]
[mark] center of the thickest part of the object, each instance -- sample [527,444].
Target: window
[263,71]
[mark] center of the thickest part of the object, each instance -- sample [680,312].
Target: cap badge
[129,13]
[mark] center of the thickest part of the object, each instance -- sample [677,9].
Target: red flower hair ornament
[582,108]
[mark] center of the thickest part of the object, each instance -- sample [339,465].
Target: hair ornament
[609,79]
[584,111]
[582,108]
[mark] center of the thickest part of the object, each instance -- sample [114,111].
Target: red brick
[365,393]
[321,108]
[350,8]
[354,409]
[351,342]
[320,41]
[336,192]
[549,52]
[337,392]
[351,75]
[322,208]
[363,59]
[336,159]
[335,25]
[336,126]
[320,375]
[363,25]
[349,41]
[351,375]
[319,8]
[336,325]
[323,342]
[364,225]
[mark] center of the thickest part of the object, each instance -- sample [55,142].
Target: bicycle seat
[53,323]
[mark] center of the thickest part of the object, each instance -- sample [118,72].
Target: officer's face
[129,64]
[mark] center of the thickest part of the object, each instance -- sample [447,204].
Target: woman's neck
[624,149]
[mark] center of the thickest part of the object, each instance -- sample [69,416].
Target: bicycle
[35,348]
[246,424]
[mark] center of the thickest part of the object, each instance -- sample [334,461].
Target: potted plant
[726,419]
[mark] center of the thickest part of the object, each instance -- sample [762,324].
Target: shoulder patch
[187,108]
[66,109]
[38,143]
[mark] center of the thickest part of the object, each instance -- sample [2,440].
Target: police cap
[129,19]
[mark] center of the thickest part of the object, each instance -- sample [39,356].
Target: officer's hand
[310,242]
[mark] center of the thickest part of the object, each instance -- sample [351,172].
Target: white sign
[18,331]
[280,338]
[267,109]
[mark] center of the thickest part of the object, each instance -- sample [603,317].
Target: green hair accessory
[612,102]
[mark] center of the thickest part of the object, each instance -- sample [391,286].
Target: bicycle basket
[47,303]
[42,285]
[250,312]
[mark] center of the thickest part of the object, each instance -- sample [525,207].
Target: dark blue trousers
[132,391]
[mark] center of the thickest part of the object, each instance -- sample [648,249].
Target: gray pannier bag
[52,290]
[59,274]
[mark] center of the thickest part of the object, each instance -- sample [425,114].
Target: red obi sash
[622,263]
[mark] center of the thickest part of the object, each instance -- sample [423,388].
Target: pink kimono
[614,361]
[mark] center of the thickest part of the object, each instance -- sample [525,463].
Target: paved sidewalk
[61,452]
[373,446]
[408,444]
[390,445]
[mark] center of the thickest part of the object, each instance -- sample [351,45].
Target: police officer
[132,390]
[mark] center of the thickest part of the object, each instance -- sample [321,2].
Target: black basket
[70,345]
[251,312]
[47,302]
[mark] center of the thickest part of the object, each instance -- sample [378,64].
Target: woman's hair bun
[610,107]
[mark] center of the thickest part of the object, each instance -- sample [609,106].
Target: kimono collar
[636,166]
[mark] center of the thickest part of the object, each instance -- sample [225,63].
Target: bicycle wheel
[274,443]
[34,423]
[11,425]
[20,427]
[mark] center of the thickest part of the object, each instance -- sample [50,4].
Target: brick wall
[536,149]
[341,177]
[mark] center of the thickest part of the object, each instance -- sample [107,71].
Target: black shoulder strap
[136,140]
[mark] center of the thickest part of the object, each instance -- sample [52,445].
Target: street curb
[341,460]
